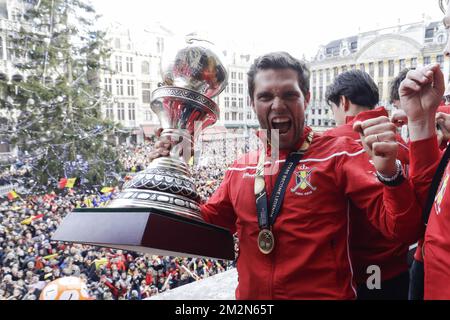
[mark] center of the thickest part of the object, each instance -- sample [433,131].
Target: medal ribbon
[265,219]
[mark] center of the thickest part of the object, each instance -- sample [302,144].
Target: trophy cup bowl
[158,211]
[183,105]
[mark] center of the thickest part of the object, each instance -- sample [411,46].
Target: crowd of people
[29,260]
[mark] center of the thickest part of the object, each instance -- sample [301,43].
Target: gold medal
[266,241]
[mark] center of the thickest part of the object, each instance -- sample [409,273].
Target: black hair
[395,85]
[279,60]
[355,85]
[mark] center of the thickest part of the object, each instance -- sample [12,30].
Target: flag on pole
[12,195]
[70,182]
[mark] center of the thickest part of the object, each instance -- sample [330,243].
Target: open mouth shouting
[283,124]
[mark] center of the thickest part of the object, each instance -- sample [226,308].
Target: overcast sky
[297,26]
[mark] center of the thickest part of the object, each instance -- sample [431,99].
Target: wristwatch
[396,179]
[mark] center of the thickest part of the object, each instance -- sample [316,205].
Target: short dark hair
[395,85]
[279,60]
[355,85]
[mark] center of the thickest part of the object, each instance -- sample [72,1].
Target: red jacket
[368,246]
[311,258]
[436,246]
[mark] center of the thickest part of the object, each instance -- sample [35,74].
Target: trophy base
[146,230]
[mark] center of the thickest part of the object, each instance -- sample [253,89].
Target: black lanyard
[267,219]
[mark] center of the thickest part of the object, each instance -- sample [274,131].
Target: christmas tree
[55,99]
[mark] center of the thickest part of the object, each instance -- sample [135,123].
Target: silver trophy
[183,104]
[158,211]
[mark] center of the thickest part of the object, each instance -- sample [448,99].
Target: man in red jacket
[420,95]
[296,246]
[353,97]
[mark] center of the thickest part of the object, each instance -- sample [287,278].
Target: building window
[314,77]
[227,89]
[227,116]
[362,67]
[440,60]
[227,102]
[131,111]
[413,63]
[313,122]
[314,94]
[233,88]
[320,111]
[426,60]
[320,93]
[429,33]
[319,122]
[233,75]
[119,87]
[241,103]
[118,64]
[313,111]
[130,88]
[146,92]
[148,115]
[327,75]
[380,69]
[240,76]
[145,67]
[241,88]
[129,64]
[108,85]
[110,112]
[241,116]
[233,103]
[391,68]
[249,116]
[320,77]
[402,64]
[234,116]
[121,111]
[372,70]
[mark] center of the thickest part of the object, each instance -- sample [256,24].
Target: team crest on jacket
[303,185]
[440,194]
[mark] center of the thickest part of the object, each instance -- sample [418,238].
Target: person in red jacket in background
[302,252]
[416,286]
[353,97]
[420,95]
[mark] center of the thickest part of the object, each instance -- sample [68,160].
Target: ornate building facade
[382,53]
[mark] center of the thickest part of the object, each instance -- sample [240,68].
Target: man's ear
[344,103]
